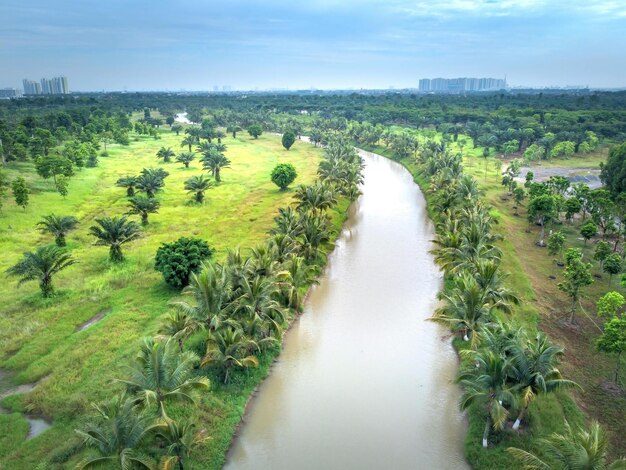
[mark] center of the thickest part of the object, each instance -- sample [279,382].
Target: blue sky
[193,44]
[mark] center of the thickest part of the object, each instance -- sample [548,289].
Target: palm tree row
[505,367]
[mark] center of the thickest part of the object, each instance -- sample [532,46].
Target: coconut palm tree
[282,246]
[294,281]
[215,162]
[314,233]
[115,232]
[287,222]
[161,373]
[534,370]
[209,294]
[166,154]
[465,308]
[179,326]
[257,300]
[151,181]
[119,428]
[573,450]
[41,265]
[180,440]
[316,197]
[228,349]
[143,205]
[198,185]
[263,261]
[128,182]
[485,384]
[58,226]
[185,158]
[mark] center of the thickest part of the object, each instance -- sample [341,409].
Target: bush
[288,139]
[177,260]
[283,175]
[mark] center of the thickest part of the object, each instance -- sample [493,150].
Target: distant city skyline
[273,44]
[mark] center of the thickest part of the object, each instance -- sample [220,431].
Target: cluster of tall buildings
[47,86]
[460,85]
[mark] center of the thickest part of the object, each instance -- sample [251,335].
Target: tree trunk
[486,432]
[519,418]
[571,315]
[543,229]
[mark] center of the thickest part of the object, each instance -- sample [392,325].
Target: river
[364,381]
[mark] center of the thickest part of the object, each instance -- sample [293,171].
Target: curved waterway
[364,381]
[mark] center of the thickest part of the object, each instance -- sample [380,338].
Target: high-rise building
[461,85]
[31,87]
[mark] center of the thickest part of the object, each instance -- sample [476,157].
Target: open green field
[39,340]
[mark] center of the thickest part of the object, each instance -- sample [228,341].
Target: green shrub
[283,175]
[177,260]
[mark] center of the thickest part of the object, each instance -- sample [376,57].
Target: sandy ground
[590,176]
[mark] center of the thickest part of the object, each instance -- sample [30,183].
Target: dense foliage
[179,259]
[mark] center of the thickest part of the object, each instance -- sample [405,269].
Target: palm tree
[295,279]
[115,232]
[58,226]
[572,450]
[181,440]
[162,373]
[41,265]
[116,433]
[288,222]
[257,300]
[534,370]
[198,185]
[316,197]
[465,308]
[485,384]
[282,246]
[215,161]
[179,326]
[143,206]
[209,293]
[188,141]
[166,154]
[185,158]
[128,182]
[229,348]
[314,233]
[151,181]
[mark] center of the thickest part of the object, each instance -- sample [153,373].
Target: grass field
[545,307]
[39,338]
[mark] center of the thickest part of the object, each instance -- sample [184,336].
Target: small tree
[612,265]
[197,185]
[602,251]
[3,187]
[556,241]
[518,196]
[283,175]
[177,260]
[613,341]
[577,275]
[177,128]
[143,205]
[62,185]
[115,232]
[610,304]
[41,265]
[58,226]
[588,231]
[20,192]
[288,139]
[572,207]
[185,158]
[255,130]
[166,153]
[543,209]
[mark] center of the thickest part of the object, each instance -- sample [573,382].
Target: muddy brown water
[364,381]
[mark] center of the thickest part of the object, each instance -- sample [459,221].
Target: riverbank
[347,390]
[42,338]
[542,304]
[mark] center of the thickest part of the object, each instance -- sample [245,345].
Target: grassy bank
[543,308]
[39,338]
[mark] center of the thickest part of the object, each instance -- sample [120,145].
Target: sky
[300,44]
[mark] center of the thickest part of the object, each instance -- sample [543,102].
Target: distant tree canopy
[613,173]
[177,260]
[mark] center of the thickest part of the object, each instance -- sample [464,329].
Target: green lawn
[38,338]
